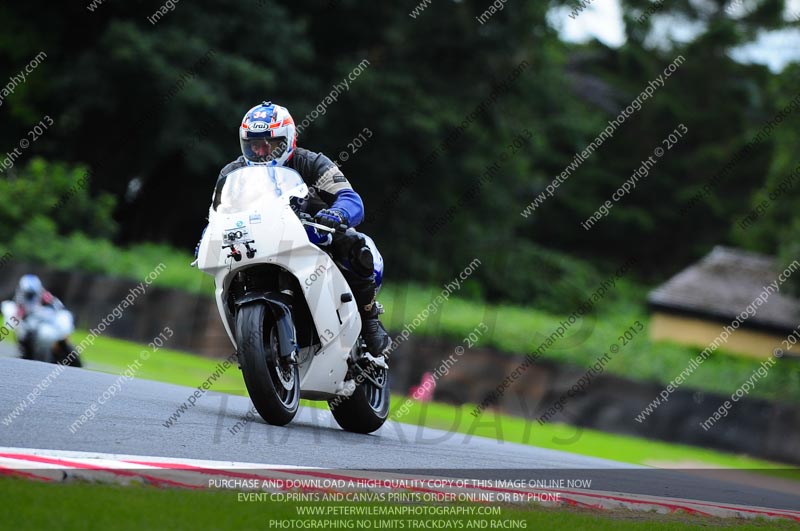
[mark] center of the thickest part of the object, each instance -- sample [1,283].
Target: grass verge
[77,505]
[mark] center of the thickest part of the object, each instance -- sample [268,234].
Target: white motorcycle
[46,331]
[286,307]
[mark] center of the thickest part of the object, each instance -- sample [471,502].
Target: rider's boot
[374,334]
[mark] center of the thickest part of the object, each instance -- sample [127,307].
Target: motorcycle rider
[29,296]
[268,136]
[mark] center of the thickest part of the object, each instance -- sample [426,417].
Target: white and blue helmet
[268,135]
[31,288]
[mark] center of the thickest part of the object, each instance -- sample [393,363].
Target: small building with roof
[694,306]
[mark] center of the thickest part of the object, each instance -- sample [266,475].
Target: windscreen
[248,186]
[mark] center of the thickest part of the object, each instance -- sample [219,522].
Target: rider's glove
[318,237]
[331,217]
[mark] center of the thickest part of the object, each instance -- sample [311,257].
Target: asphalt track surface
[132,422]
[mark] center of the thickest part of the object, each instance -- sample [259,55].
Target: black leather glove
[331,217]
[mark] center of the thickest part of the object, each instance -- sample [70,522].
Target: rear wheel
[272,382]
[368,407]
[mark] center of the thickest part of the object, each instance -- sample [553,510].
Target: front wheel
[272,382]
[368,407]
[41,351]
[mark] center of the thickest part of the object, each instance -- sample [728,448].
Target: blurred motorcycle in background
[43,334]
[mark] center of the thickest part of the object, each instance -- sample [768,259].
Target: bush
[534,276]
[38,241]
[57,192]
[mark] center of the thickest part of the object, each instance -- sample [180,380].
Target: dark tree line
[152,111]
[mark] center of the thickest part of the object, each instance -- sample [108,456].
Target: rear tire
[367,408]
[273,384]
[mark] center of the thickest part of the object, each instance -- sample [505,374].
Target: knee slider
[362,260]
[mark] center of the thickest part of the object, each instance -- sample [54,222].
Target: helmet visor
[263,149]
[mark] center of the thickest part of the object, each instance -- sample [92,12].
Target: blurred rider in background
[29,296]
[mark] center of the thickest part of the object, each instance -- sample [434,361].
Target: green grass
[113,356]
[32,505]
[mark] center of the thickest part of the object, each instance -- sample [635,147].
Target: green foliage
[54,191]
[79,252]
[769,222]
[151,111]
[532,275]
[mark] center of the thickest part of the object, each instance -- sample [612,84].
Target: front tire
[368,407]
[43,353]
[273,383]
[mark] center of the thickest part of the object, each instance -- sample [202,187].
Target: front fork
[279,304]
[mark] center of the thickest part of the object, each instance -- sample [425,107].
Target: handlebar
[306,219]
[341,229]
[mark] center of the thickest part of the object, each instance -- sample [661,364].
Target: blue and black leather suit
[355,253]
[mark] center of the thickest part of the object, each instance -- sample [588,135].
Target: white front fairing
[255,207]
[50,325]
[9,310]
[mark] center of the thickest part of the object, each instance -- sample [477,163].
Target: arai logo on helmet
[258,127]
